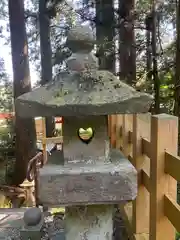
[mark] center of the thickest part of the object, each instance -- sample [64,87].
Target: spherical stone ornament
[32,216]
[79,62]
[80,39]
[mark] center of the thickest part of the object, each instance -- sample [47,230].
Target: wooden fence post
[164,136]
[44,138]
[113,130]
[109,126]
[119,125]
[126,127]
[140,218]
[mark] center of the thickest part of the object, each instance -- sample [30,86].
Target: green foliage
[5,202]
[6,106]
[6,137]
[6,144]
[6,90]
[177,236]
[55,211]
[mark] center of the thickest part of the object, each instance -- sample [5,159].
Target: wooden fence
[150,143]
[41,136]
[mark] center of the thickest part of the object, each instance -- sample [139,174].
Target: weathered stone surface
[80,38]
[33,223]
[32,232]
[75,150]
[74,95]
[82,61]
[11,222]
[32,216]
[89,222]
[59,236]
[80,184]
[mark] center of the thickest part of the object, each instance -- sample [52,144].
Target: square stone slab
[83,184]
[11,221]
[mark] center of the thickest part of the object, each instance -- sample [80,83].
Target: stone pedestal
[89,192]
[93,222]
[33,223]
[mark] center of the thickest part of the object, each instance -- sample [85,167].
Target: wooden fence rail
[150,143]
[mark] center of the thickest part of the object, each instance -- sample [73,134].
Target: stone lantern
[93,176]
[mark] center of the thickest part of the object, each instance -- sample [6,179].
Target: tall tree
[148,23]
[105,34]
[46,54]
[24,128]
[45,44]
[127,50]
[154,60]
[177,64]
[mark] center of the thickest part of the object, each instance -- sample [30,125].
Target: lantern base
[89,222]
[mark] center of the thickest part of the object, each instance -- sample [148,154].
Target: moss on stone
[95,91]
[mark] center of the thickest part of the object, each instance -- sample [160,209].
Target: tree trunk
[149,28]
[46,55]
[177,64]
[177,81]
[24,128]
[127,50]
[154,61]
[105,34]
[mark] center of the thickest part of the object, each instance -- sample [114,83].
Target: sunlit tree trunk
[24,128]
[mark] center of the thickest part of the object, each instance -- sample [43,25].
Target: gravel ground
[53,228]
[53,225]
